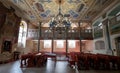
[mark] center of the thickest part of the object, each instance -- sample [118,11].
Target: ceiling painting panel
[44,10]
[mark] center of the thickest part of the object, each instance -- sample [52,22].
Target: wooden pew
[92,60]
[102,61]
[115,60]
[82,61]
[24,60]
[72,59]
[31,60]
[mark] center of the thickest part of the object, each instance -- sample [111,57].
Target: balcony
[63,33]
[115,24]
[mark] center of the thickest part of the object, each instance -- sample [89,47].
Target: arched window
[22,34]
[99,45]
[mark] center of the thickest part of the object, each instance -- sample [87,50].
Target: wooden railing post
[80,38]
[66,41]
[39,36]
[53,40]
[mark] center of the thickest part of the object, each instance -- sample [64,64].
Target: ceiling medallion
[60,1]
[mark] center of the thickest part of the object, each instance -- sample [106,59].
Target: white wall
[89,46]
[113,45]
[100,51]
[104,38]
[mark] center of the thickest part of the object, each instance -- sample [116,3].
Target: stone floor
[50,67]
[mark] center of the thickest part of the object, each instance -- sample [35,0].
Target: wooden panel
[60,34]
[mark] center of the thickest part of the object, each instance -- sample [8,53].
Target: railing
[115,20]
[98,34]
[77,34]
[115,24]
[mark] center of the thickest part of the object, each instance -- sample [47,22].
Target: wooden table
[51,55]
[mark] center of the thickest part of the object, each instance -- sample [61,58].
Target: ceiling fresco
[43,10]
[49,8]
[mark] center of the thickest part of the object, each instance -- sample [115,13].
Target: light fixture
[60,20]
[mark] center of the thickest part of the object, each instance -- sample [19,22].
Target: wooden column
[80,38]
[39,36]
[53,40]
[66,41]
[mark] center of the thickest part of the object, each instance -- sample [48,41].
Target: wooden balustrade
[115,24]
[46,33]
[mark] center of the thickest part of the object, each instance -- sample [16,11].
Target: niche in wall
[99,45]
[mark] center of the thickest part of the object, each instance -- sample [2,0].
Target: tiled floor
[50,67]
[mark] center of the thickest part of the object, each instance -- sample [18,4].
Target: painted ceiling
[44,10]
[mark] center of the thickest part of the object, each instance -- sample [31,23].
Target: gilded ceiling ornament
[60,1]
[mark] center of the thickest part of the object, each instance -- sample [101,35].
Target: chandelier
[60,20]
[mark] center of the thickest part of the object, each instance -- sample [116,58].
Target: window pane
[71,44]
[47,43]
[60,44]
